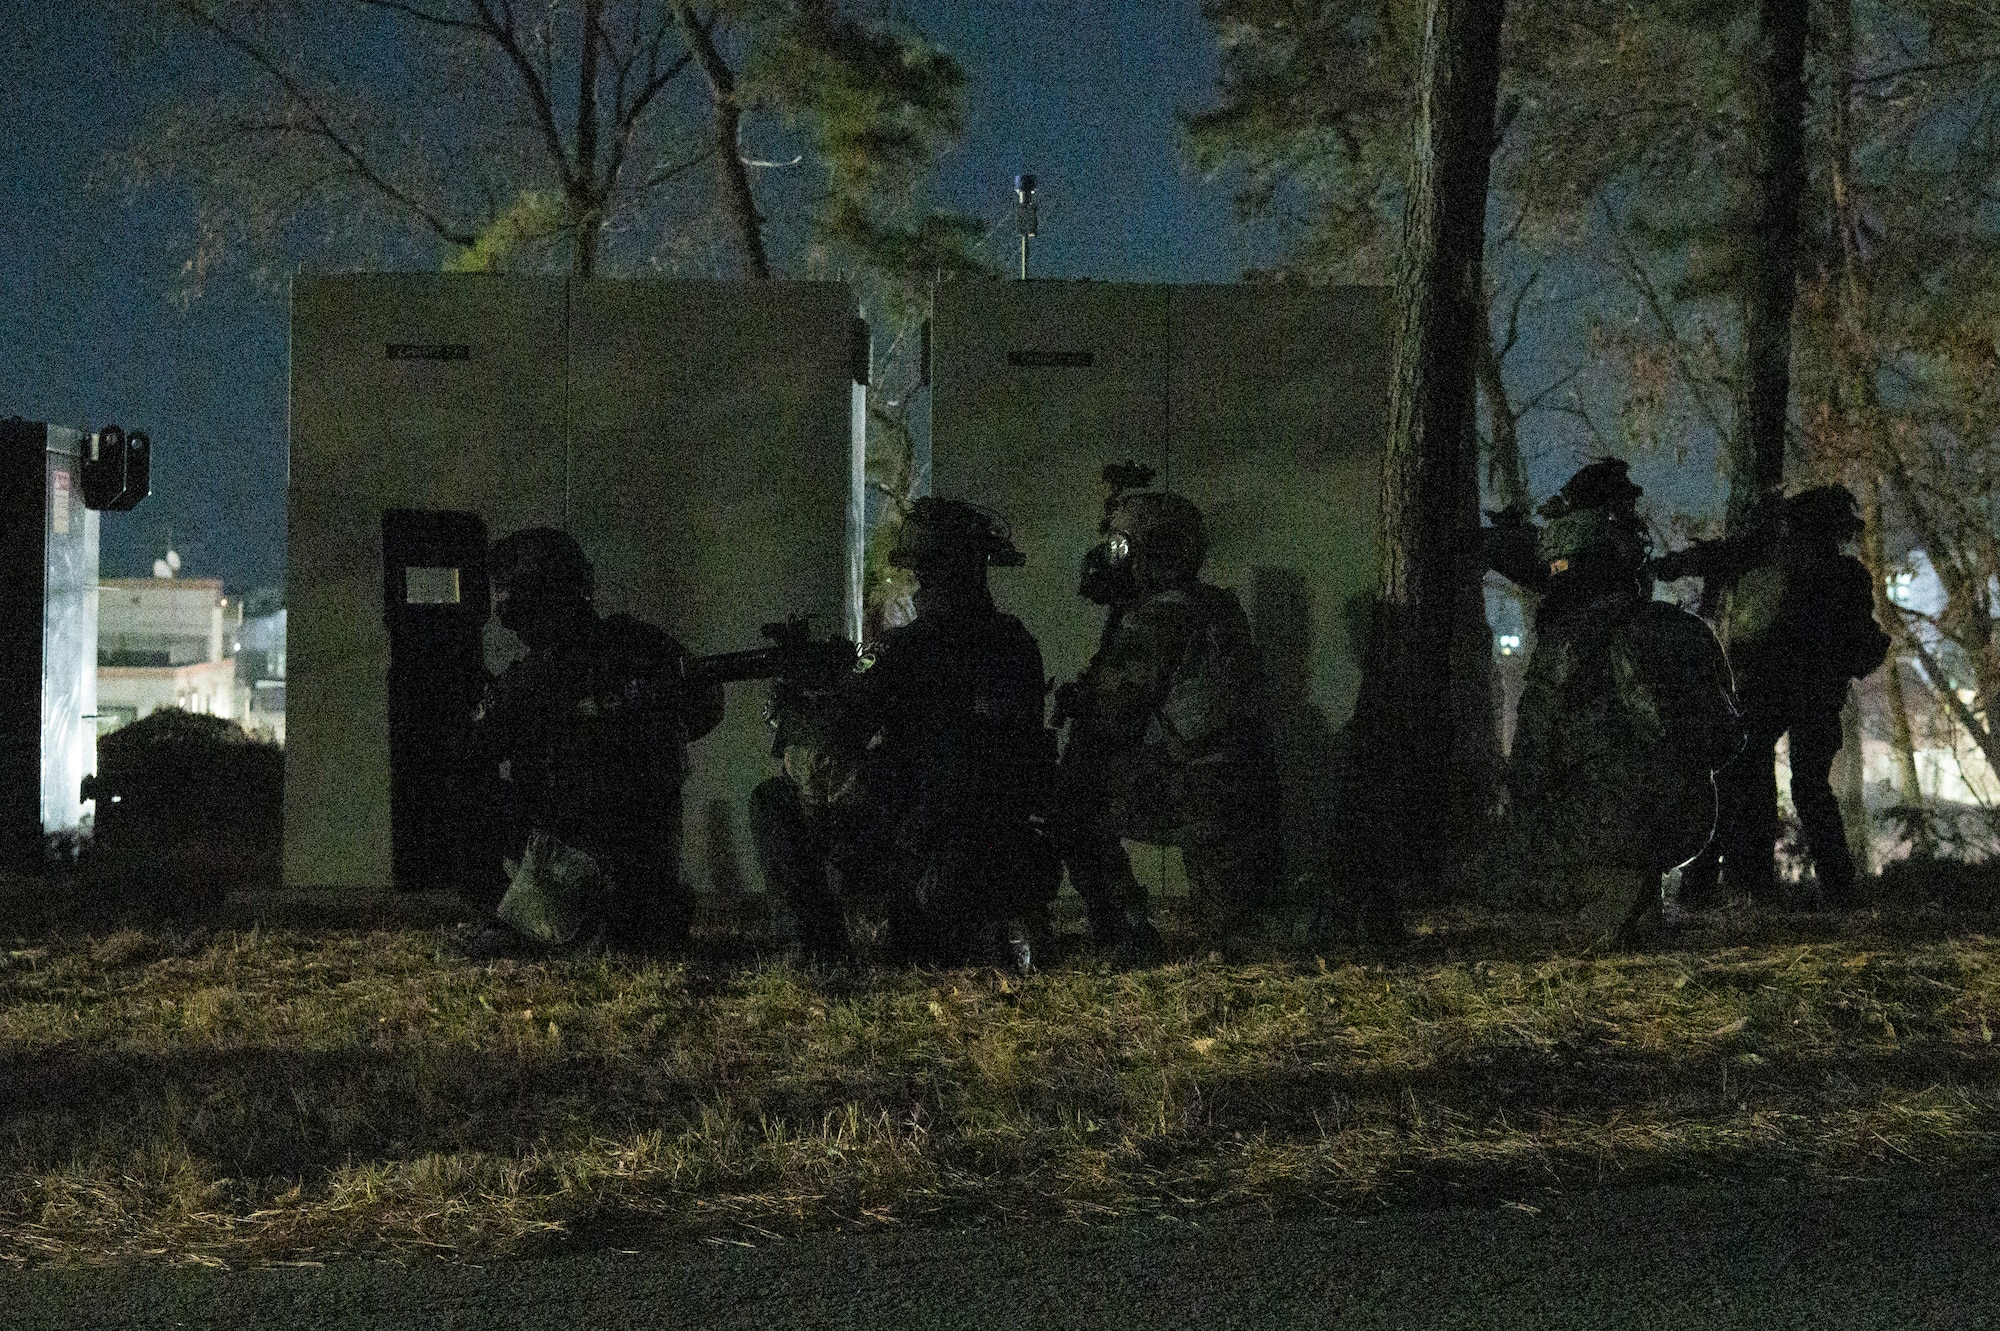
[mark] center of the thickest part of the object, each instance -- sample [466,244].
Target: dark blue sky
[1082,93]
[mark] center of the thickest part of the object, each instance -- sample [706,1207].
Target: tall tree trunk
[1407,693]
[1902,741]
[1861,414]
[1475,682]
[586,230]
[1507,482]
[1968,617]
[1852,790]
[1506,475]
[1754,452]
[1755,461]
[739,205]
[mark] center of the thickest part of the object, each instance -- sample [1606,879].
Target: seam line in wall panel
[1167,419]
[569,445]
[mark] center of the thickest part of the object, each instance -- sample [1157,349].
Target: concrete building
[260,666]
[167,642]
[1265,405]
[701,440]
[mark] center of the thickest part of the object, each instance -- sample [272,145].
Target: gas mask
[1107,571]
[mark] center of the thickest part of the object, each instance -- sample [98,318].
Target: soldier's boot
[1619,905]
[1701,880]
[1815,741]
[1120,928]
[1113,899]
[1826,839]
[1014,947]
[1232,887]
[792,851]
[1835,874]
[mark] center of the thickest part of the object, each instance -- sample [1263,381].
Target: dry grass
[297,1080]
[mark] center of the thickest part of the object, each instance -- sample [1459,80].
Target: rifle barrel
[728,667]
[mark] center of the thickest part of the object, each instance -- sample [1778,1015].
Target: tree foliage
[1628,149]
[744,136]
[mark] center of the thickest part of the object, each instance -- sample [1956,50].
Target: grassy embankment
[290,1082]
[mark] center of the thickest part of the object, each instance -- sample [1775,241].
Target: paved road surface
[1913,1256]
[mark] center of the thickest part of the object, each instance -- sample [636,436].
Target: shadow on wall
[1315,760]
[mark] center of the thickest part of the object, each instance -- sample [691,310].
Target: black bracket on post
[117,470]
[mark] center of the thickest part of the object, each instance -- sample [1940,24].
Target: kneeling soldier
[1166,735]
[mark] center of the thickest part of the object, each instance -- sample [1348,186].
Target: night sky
[1084,94]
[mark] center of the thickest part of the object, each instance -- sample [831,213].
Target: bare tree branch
[323,128]
[1656,305]
[629,116]
[1534,403]
[1514,313]
[662,177]
[737,200]
[1926,67]
[1941,686]
[500,28]
[423,15]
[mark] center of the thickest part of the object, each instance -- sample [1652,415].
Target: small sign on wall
[1037,358]
[429,351]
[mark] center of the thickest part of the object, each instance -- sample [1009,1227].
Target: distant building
[260,665]
[166,641]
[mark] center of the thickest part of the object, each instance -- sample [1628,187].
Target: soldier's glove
[1672,565]
[816,666]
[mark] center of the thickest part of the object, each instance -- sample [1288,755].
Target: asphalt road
[1911,1255]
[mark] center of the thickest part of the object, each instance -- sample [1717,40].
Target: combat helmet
[1166,535]
[938,531]
[1604,483]
[1826,511]
[541,563]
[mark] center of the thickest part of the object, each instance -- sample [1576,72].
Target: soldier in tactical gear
[923,776]
[1512,543]
[1166,739]
[1625,711]
[1799,623]
[582,743]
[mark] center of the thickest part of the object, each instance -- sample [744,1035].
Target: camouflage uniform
[1511,546]
[1625,711]
[1799,623]
[583,740]
[920,779]
[1167,740]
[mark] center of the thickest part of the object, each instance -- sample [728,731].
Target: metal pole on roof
[1025,218]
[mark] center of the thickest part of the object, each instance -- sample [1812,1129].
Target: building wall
[1264,404]
[695,437]
[48,635]
[209,688]
[188,618]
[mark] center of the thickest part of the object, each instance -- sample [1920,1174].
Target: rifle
[793,658]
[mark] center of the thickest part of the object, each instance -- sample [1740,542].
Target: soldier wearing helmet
[943,765]
[1166,740]
[583,741]
[1603,487]
[1798,622]
[1624,713]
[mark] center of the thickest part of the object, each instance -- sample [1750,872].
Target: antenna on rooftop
[1025,215]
